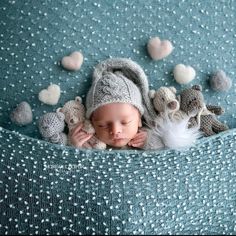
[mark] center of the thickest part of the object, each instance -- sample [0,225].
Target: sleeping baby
[117,105]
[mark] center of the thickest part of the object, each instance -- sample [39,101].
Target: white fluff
[176,134]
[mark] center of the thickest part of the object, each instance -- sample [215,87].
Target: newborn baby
[116,124]
[115,103]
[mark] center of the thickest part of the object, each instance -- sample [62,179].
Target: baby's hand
[78,138]
[139,139]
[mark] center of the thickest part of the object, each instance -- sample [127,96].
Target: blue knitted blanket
[49,189]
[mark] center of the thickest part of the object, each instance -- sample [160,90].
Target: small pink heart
[158,49]
[72,62]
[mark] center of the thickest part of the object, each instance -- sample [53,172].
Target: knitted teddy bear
[51,126]
[192,101]
[74,112]
[164,100]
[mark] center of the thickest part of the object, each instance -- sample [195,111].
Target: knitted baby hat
[120,80]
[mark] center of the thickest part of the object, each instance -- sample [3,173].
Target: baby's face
[116,124]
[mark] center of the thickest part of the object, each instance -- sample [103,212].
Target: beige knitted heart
[158,49]
[72,62]
[50,95]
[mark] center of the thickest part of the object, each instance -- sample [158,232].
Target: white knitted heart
[184,74]
[50,95]
[72,62]
[158,49]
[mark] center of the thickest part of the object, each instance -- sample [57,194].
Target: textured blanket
[49,189]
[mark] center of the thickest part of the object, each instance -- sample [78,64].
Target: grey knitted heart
[220,81]
[22,114]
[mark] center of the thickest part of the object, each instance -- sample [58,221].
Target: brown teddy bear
[192,101]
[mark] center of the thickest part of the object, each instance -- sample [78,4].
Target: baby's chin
[119,142]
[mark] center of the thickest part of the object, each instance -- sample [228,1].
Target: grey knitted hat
[120,80]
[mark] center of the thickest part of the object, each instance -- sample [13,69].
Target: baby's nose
[115,128]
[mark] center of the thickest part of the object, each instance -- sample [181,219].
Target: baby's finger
[87,145]
[140,144]
[140,135]
[77,129]
[83,135]
[138,139]
[85,139]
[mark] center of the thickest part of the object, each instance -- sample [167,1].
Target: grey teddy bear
[192,101]
[51,126]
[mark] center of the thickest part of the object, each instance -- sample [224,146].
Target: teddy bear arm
[192,122]
[218,110]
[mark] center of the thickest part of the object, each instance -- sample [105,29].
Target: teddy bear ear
[179,98]
[151,93]
[59,109]
[78,99]
[173,89]
[60,115]
[197,87]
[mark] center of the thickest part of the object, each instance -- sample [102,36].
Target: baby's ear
[140,123]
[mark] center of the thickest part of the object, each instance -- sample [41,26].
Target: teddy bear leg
[207,130]
[217,126]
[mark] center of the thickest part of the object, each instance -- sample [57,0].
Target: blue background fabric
[191,191]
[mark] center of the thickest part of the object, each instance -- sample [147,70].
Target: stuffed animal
[51,126]
[171,123]
[164,100]
[167,104]
[74,112]
[192,101]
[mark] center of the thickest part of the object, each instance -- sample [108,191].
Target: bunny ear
[173,89]
[151,93]
[197,87]
[78,99]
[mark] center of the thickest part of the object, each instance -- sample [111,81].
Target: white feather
[175,134]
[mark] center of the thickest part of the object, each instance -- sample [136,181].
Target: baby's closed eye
[126,122]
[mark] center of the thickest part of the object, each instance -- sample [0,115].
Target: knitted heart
[72,62]
[220,82]
[22,114]
[158,49]
[50,95]
[184,74]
